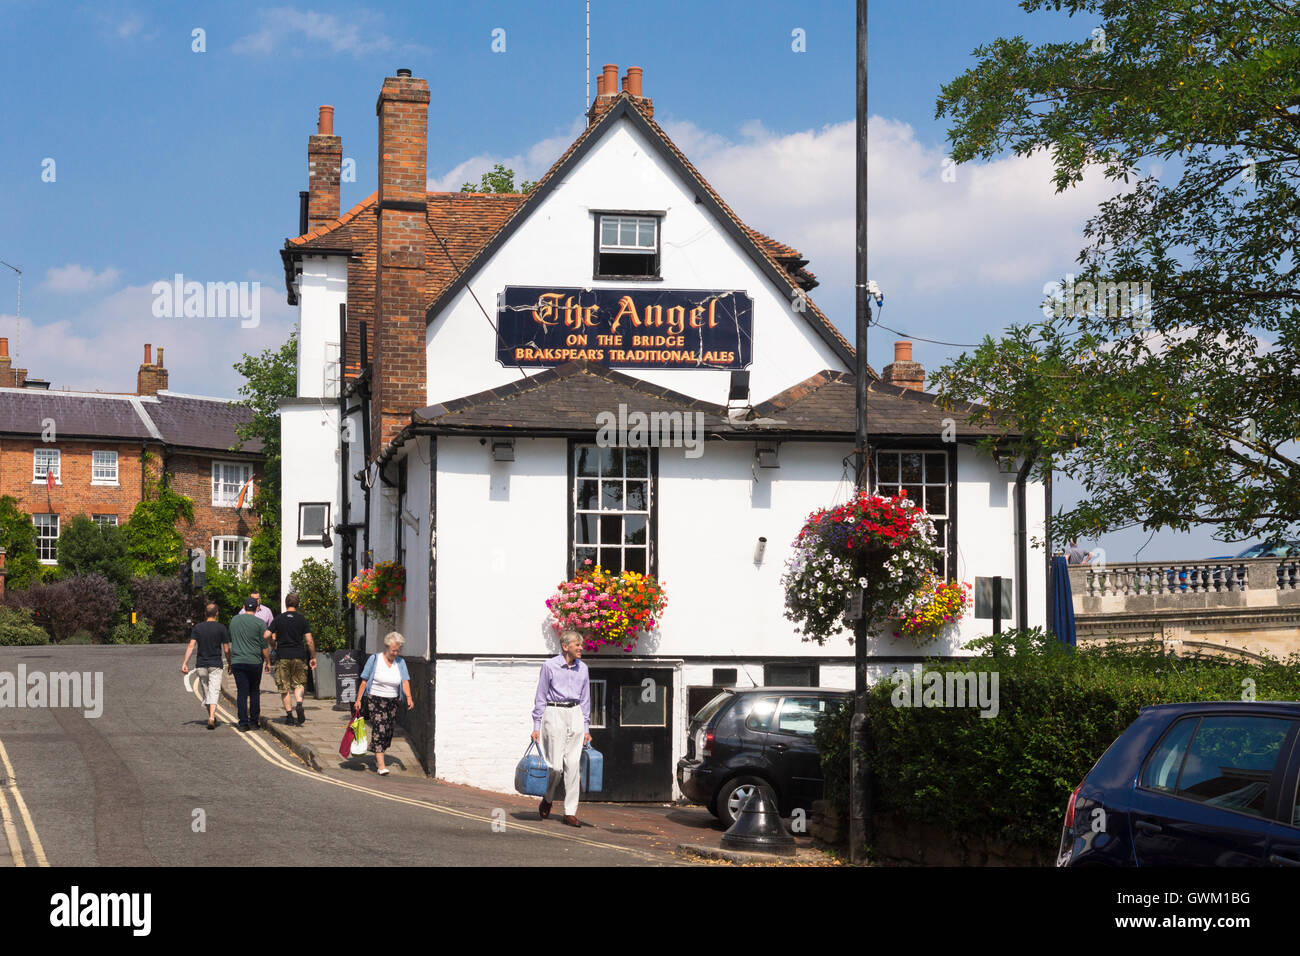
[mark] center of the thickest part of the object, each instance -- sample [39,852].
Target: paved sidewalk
[655,827]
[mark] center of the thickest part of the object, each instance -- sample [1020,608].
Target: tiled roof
[180,420]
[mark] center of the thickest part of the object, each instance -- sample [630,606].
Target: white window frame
[619,220]
[894,484]
[45,542]
[241,545]
[38,475]
[222,497]
[96,467]
[313,539]
[104,520]
[600,511]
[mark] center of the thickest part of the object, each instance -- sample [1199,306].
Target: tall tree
[498,180]
[268,377]
[1180,405]
[18,538]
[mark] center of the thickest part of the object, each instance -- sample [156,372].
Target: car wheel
[735,792]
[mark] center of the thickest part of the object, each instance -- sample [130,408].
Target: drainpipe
[1022,544]
[349,542]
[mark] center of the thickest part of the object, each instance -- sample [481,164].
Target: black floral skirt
[380,723]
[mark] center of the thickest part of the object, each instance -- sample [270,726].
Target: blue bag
[531,773]
[592,771]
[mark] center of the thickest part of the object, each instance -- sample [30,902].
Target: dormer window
[627,246]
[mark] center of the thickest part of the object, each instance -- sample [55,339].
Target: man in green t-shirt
[249,656]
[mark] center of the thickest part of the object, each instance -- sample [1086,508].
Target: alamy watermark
[180,298]
[1110,299]
[82,691]
[638,429]
[922,688]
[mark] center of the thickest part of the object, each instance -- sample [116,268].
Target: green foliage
[225,588]
[268,377]
[89,548]
[18,538]
[18,629]
[154,545]
[498,180]
[81,637]
[1009,777]
[1181,413]
[127,633]
[320,602]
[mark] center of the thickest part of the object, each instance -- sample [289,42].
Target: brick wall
[324,162]
[192,476]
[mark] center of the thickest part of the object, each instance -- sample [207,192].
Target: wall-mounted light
[503,449]
[767,457]
[326,540]
[1006,463]
[759,550]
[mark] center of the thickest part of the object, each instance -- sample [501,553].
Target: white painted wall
[322,289]
[553,247]
[310,472]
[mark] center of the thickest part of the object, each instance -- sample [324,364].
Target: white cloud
[73,279]
[530,164]
[359,34]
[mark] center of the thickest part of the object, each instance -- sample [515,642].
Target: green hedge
[19,629]
[127,633]
[1009,777]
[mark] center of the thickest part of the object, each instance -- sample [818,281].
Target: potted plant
[935,605]
[318,599]
[379,591]
[607,608]
[883,547]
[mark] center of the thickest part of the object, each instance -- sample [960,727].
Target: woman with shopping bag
[384,676]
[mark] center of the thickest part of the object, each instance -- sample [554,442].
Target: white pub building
[458,353]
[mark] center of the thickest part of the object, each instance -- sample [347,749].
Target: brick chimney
[608,92]
[151,378]
[402,235]
[10,377]
[324,162]
[903,372]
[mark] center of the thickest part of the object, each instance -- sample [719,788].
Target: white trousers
[562,733]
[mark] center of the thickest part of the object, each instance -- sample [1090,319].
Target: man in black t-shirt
[213,642]
[290,635]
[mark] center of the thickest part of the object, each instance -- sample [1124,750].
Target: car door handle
[778,747]
[1146,826]
[1278,859]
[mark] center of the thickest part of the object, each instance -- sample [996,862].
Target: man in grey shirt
[562,722]
[1077,555]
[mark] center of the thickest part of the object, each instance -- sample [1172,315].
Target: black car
[1192,784]
[762,737]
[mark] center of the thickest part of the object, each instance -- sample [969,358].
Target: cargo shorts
[290,674]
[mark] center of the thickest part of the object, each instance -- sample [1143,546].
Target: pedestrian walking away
[290,637]
[562,722]
[383,677]
[1076,554]
[250,655]
[212,641]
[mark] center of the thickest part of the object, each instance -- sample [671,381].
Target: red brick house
[67,453]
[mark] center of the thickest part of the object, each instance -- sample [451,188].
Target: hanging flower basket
[883,545]
[607,608]
[924,614]
[379,590]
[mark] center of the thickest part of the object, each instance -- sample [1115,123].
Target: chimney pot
[4,348]
[902,351]
[325,124]
[160,361]
[634,80]
[147,350]
[625,84]
[611,78]
[403,72]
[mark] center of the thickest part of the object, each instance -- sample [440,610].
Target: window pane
[636,496]
[1161,771]
[611,559]
[608,231]
[887,469]
[760,718]
[634,559]
[586,530]
[643,705]
[646,233]
[799,715]
[582,555]
[936,467]
[936,499]
[638,462]
[911,464]
[915,493]
[588,495]
[611,495]
[634,528]
[611,462]
[597,703]
[587,460]
[1231,760]
[611,529]
[627,232]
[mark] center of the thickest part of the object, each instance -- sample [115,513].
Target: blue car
[1200,784]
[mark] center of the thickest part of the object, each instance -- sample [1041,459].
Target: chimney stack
[6,365]
[401,239]
[151,378]
[608,92]
[324,165]
[903,372]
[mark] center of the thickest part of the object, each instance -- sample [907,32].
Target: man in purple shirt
[562,722]
[263,612]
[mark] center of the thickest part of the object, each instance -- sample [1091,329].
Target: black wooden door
[631,713]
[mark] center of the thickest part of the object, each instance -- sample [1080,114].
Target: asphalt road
[146,783]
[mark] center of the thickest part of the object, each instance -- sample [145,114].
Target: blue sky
[167,160]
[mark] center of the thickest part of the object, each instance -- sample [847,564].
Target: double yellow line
[264,749]
[9,791]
